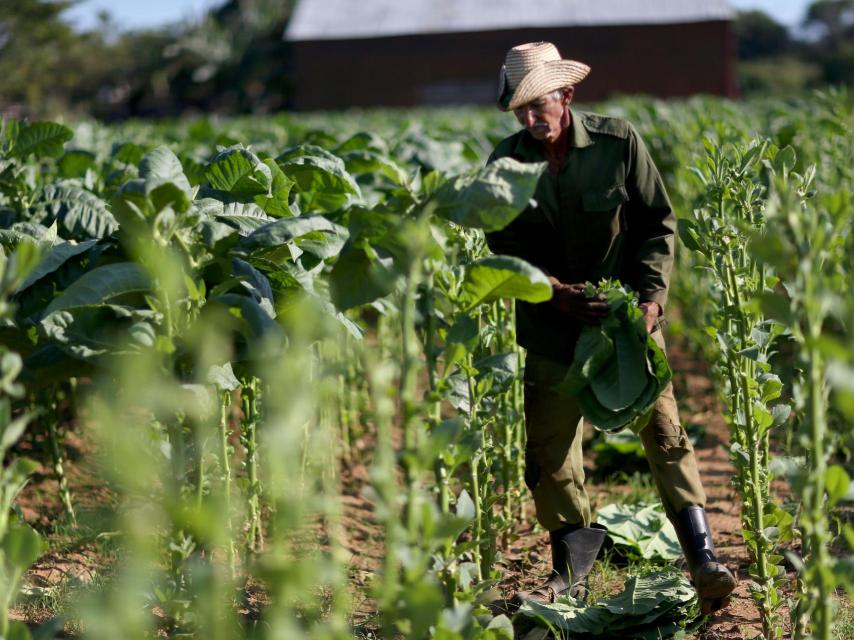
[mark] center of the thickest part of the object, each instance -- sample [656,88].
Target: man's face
[544,117]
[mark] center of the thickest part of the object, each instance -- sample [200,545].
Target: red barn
[364,53]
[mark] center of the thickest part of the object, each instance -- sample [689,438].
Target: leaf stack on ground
[658,605]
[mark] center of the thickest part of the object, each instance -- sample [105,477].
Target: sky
[139,14]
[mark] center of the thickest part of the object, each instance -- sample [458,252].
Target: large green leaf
[42,139]
[312,234]
[619,383]
[489,198]
[21,546]
[643,530]
[425,151]
[323,183]
[101,285]
[165,182]
[357,279]
[369,162]
[51,364]
[32,232]
[619,390]
[363,141]
[592,351]
[53,259]
[76,162]
[496,277]
[276,200]
[259,324]
[303,150]
[246,217]
[637,416]
[499,368]
[81,212]
[240,172]
[162,163]
[87,332]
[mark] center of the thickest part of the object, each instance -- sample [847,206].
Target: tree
[832,21]
[34,44]
[758,35]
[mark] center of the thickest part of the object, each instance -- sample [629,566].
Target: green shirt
[605,214]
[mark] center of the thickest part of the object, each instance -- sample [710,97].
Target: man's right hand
[571,300]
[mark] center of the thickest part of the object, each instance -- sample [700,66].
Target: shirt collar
[579,135]
[529,149]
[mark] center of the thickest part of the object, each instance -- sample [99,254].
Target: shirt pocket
[604,200]
[602,219]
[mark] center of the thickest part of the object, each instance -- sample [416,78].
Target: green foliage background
[235,61]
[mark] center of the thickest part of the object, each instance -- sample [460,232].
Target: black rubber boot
[574,550]
[712,580]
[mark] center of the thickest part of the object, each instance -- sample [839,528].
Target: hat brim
[547,77]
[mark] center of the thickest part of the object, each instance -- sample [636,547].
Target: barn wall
[462,68]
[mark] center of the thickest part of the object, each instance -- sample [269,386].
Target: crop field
[259,379]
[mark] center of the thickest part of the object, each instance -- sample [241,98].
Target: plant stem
[254,538]
[58,461]
[225,464]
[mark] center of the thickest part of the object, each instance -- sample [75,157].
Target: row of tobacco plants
[769,227]
[229,310]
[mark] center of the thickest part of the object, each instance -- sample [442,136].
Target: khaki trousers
[554,469]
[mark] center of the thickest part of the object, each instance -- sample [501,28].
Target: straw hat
[534,69]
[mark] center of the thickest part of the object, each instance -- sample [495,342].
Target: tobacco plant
[808,249]
[720,231]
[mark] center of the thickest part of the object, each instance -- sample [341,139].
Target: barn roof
[347,19]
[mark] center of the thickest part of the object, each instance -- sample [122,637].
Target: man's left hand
[651,311]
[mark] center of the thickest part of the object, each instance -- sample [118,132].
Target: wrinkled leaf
[322,182]
[79,211]
[657,605]
[313,234]
[42,139]
[643,531]
[238,171]
[489,198]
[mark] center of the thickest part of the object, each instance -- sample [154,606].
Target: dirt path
[699,404]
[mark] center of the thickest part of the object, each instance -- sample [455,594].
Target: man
[601,211]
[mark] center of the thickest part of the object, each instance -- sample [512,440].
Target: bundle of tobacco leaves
[618,371]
